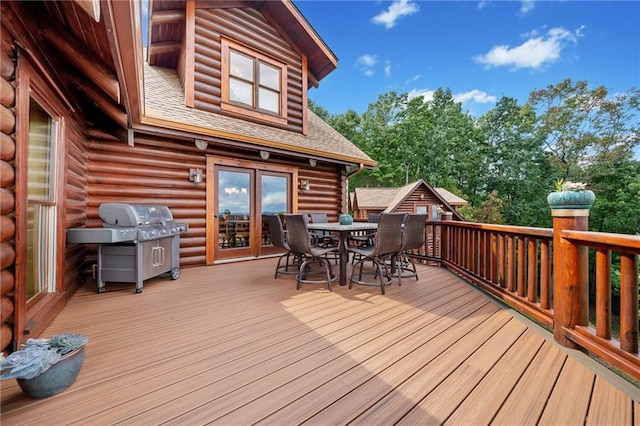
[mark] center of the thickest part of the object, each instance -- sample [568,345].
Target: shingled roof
[165,107]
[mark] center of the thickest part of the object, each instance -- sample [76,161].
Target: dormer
[253,60]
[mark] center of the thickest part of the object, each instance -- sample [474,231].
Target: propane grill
[136,242]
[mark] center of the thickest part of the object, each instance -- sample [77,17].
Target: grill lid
[123,214]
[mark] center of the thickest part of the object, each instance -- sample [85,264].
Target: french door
[238,198]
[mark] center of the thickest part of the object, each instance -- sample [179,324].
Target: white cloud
[533,53]
[366,63]
[527,6]
[425,93]
[397,10]
[476,96]
[387,68]
[414,78]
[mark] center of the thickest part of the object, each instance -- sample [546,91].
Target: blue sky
[481,50]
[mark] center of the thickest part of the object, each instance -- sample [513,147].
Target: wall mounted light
[304,185]
[265,155]
[422,196]
[201,144]
[195,175]
[312,162]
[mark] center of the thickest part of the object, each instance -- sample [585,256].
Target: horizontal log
[7,120]
[167,16]
[7,174]
[101,135]
[207,78]
[6,309]
[88,64]
[6,337]
[7,67]
[7,93]
[7,281]
[159,48]
[7,147]
[7,201]
[7,255]
[7,228]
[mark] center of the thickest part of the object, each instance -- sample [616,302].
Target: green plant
[558,185]
[38,355]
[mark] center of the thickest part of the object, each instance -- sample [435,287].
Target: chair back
[298,236]
[319,218]
[390,235]
[276,231]
[414,231]
[373,218]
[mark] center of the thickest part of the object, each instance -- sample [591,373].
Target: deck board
[229,344]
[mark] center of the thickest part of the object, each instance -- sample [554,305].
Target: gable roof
[167,21]
[452,198]
[164,107]
[390,198]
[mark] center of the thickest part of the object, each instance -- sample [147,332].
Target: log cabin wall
[249,28]
[156,170]
[7,190]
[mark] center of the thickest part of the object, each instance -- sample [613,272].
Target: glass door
[234,208]
[239,196]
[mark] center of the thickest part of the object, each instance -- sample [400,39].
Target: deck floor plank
[229,344]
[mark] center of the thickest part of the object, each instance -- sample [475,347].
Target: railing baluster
[510,264]
[628,302]
[603,293]
[532,271]
[521,260]
[545,288]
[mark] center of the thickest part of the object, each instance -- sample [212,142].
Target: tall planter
[581,199]
[57,378]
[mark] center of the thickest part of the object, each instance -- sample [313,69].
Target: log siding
[249,28]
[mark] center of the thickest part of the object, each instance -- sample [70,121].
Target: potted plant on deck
[45,367]
[570,195]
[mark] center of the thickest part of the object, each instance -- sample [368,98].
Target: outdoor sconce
[265,155]
[312,162]
[304,185]
[195,175]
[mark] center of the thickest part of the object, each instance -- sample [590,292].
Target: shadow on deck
[229,344]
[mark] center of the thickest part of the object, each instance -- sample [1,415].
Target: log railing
[516,264]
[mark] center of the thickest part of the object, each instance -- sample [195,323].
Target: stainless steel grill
[136,242]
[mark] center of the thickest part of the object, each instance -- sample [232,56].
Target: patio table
[343,231]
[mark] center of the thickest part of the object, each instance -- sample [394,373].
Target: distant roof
[372,198]
[382,198]
[165,107]
[451,198]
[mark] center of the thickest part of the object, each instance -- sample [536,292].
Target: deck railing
[544,273]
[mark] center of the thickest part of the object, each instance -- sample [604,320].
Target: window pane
[240,66]
[40,133]
[269,77]
[269,100]
[241,91]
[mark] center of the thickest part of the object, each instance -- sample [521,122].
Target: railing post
[570,274]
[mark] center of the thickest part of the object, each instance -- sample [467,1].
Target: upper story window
[253,84]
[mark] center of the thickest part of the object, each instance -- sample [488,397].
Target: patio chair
[414,230]
[388,240]
[365,239]
[300,241]
[278,239]
[325,239]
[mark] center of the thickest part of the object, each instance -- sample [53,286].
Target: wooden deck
[229,345]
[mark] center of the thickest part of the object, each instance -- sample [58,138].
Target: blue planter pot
[582,199]
[345,219]
[57,378]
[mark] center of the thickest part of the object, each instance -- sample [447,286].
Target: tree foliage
[505,162]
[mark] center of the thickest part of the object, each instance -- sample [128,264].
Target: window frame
[241,109]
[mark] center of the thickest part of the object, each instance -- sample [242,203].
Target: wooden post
[570,274]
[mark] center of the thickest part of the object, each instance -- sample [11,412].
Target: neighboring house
[416,197]
[89,117]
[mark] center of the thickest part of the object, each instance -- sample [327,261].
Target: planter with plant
[45,367]
[570,195]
